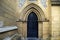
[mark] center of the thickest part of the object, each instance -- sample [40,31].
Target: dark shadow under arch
[32,25]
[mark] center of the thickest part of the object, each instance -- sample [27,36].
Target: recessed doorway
[32,25]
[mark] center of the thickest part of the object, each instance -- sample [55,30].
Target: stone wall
[8,11]
[55,13]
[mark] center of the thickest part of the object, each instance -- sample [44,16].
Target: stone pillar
[45,30]
[19,24]
[24,29]
[40,30]
[47,25]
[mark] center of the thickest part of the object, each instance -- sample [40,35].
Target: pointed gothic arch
[24,16]
[32,25]
[32,8]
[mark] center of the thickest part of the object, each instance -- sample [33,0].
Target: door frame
[24,15]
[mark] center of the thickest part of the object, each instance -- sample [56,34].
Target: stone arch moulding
[32,8]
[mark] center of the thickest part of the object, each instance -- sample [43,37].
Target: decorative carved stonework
[32,0]
[43,2]
[21,3]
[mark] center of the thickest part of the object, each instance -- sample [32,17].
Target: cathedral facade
[42,10]
[33,18]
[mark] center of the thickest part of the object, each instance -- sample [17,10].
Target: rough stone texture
[8,11]
[55,22]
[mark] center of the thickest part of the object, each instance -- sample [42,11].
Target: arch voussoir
[32,8]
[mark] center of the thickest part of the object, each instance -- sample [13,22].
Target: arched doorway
[24,15]
[32,25]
